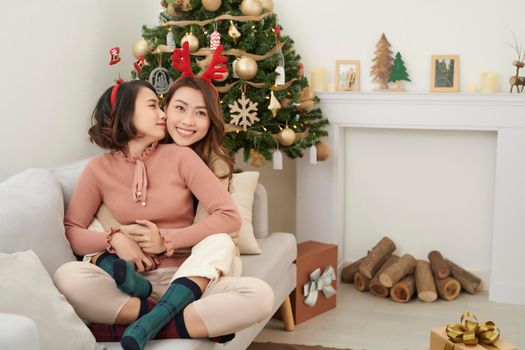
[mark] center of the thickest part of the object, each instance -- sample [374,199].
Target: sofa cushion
[67,176]
[27,290]
[260,212]
[31,217]
[279,251]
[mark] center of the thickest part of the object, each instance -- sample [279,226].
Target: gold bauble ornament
[251,7]
[267,5]
[246,68]
[323,151]
[287,136]
[211,5]
[258,159]
[192,40]
[140,48]
[224,76]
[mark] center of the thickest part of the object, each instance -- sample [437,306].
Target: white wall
[340,29]
[54,65]
[425,189]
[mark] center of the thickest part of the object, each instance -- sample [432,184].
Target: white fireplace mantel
[320,188]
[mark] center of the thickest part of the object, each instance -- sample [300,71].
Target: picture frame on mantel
[444,73]
[347,75]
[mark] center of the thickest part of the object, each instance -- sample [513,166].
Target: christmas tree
[382,63]
[399,71]
[265,97]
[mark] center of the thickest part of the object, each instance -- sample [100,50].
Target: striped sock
[125,276]
[175,329]
[180,293]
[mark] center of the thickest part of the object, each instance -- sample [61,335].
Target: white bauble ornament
[211,5]
[140,48]
[192,40]
[251,7]
[246,68]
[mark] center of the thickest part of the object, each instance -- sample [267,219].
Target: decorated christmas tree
[399,71]
[266,101]
[382,63]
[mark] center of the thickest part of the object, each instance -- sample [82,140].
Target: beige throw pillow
[27,290]
[242,191]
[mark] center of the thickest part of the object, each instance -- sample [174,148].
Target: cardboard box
[310,256]
[438,339]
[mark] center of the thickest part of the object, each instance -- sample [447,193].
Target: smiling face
[188,120]
[148,118]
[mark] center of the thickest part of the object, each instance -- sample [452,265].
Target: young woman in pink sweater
[162,180]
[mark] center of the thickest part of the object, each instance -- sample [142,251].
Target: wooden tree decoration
[382,63]
[399,72]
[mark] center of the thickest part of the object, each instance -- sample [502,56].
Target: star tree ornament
[243,112]
[233,32]
[274,105]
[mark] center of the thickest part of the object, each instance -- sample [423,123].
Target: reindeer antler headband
[181,61]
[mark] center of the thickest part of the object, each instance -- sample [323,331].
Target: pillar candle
[318,79]
[331,86]
[489,82]
[472,88]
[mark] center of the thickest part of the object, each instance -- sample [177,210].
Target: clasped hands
[139,243]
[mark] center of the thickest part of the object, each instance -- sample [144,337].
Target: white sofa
[31,214]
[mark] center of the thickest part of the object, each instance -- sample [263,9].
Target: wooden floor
[362,321]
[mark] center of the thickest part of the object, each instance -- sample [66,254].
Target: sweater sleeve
[80,211]
[223,213]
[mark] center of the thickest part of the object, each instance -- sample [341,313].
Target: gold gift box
[438,339]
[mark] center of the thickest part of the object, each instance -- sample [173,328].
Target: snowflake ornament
[243,112]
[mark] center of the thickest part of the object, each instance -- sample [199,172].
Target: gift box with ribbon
[468,335]
[316,280]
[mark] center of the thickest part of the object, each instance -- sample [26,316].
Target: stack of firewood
[384,273]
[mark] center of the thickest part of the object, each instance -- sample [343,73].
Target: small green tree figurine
[398,73]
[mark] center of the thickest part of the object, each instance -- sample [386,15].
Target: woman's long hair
[211,144]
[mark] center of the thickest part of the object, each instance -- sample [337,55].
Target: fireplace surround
[320,188]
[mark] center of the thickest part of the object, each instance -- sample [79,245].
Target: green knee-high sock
[181,292]
[125,276]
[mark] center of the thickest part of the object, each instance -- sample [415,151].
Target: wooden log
[395,272]
[376,288]
[361,282]
[377,257]
[403,290]
[426,287]
[448,288]
[469,281]
[438,264]
[348,273]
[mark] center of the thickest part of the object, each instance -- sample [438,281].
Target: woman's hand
[128,250]
[128,229]
[148,237]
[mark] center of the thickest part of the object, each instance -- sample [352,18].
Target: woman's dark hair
[112,129]
[211,144]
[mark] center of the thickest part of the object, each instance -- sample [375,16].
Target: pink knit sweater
[156,186]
